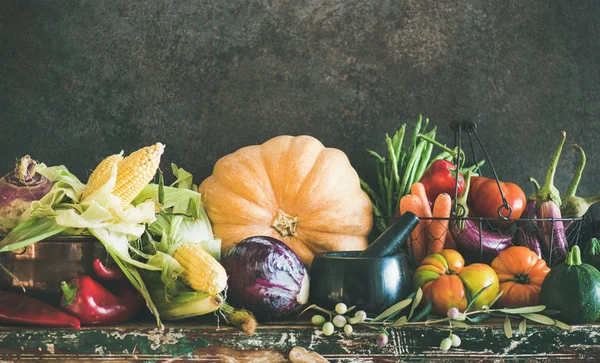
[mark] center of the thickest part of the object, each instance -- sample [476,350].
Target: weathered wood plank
[208,342]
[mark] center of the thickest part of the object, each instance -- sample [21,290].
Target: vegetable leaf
[525,309]
[472,301]
[507,328]
[539,318]
[29,232]
[392,309]
[523,326]
[416,302]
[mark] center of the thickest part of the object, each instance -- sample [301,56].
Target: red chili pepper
[22,309]
[108,273]
[94,304]
[440,178]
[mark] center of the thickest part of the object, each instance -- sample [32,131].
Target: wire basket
[484,238]
[481,239]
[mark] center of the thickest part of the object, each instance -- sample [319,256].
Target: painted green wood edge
[144,342]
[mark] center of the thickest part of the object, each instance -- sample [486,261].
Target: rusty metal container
[42,266]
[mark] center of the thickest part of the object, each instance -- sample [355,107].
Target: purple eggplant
[549,217]
[469,235]
[527,231]
[474,240]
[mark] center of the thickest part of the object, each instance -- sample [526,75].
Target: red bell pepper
[17,308]
[440,178]
[484,199]
[94,304]
[107,273]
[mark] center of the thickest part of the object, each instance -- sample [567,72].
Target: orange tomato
[446,281]
[521,274]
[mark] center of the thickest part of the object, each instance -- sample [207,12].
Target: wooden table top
[206,340]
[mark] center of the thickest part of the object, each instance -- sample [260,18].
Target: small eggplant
[474,240]
[552,230]
[526,234]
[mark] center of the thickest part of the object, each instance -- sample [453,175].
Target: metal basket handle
[471,128]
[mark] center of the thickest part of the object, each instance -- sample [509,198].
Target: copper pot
[42,266]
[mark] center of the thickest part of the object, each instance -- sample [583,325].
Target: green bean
[413,142]
[398,140]
[389,195]
[380,182]
[424,159]
[413,168]
[424,126]
[370,192]
[410,166]
[393,162]
[376,156]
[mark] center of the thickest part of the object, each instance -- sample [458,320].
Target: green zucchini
[573,288]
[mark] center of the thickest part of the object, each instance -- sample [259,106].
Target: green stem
[69,291]
[548,191]
[574,256]
[572,189]
[438,144]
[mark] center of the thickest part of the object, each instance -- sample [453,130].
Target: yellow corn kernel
[101,175]
[136,171]
[202,272]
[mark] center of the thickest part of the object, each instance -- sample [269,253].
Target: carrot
[418,189]
[417,243]
[439,228]
[449,244]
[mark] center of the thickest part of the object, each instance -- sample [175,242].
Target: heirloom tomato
[521,274]
[447,282]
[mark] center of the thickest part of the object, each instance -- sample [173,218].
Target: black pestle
[390,241]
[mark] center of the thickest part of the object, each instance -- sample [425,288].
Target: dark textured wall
[83,79]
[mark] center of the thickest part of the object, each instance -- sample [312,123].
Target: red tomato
[484,199]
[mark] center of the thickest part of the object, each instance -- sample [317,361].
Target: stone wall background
[80,80]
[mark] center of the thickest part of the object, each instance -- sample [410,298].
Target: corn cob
[136,171]
[202,272]
[101,175]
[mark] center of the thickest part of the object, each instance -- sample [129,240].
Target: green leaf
[560,324]
[161,188]
[525,309]
[507,328]
[403,320]
[392,309]
[416,302]
[539,318]
[423,313]
[523,326]
[472,301]
[479,318]
[29,232]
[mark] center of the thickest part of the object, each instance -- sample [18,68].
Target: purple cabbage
[266,277]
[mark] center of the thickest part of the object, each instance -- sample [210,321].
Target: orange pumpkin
[446,281]
[521,274]
[293,189]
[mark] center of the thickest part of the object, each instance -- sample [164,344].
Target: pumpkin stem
[285,224]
